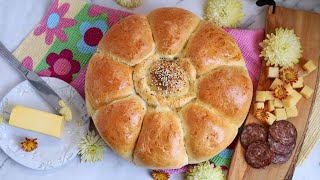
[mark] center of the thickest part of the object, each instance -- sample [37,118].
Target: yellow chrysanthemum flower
[204,171]
[2,120]
[225,13]
[29,144]
[159,175]
[91,148]
[282,48]
[129,3]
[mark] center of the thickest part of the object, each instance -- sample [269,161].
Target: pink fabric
[248,41]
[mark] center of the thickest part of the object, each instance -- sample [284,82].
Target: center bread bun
[167,89]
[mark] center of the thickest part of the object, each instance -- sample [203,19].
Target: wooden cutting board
[306,26]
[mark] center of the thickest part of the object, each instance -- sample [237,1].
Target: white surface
[52,152]
[19,17]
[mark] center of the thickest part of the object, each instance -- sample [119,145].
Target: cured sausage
[279,148]
[281,159]
[253,133]
[259,155]
[283,132]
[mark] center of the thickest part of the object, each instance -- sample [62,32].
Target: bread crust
[128,41]
[166,102]
[119,124]
[171,28]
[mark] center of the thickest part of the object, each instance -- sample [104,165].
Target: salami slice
[253,133]
[281,159]
[283,132]
[279,148]
[259,155]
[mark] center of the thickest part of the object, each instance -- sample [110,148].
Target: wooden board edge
[297,153]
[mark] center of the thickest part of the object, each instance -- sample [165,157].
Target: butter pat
[269,95]
[306,91]
[258,105]
[260,96]
[309,66]
[273,72]
[280,114]
[38,121]
[289,88]
[278,103]
[270,106]
[276,83]
[271,118]
[298,84]
[292,111]
[65,111]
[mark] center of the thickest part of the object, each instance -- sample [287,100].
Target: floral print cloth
[64,41]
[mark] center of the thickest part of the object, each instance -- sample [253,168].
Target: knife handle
[12,60]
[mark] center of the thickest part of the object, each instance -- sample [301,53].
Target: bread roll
[167,89]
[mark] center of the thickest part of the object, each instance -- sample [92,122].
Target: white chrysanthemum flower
[129,3]
[282,48]
[225,13]
[91,148]
[205,171]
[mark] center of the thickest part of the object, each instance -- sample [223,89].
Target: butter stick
[38,121]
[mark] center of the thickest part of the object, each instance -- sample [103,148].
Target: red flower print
[54,23]
[62,65]
[28,63]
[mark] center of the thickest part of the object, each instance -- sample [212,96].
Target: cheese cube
[298,84]
[275,83]
[292,111]
[292,100]
[306,91]
[260,96]
[257,105]
[271,118]
[278,103]
[273,72]
[270,106]
[309,66]
[38,121]
[280,114]
[289,88]
[269,95]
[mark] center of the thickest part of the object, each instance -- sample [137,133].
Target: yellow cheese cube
[275,83]
[38,121]
[298,84]
[306,91]
[273,72]
[269,95]
[260,96]
[292,111]
[278,103]
[271,118]
[309,66]
[280,114]
[270,106]
[257,105]
[292,100]
[289,88]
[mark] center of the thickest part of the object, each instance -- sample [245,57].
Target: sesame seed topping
[167,76]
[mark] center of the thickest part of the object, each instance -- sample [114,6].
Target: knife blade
[44,90]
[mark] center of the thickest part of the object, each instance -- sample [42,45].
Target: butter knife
[45,91]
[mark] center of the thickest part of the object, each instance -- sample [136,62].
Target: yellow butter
[65,111]
[38,121]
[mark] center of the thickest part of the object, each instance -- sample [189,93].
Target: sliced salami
[259,155]
[281,159]
[283,132]
[279,148]
[253,133]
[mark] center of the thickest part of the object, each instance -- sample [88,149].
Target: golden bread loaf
[167,89]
